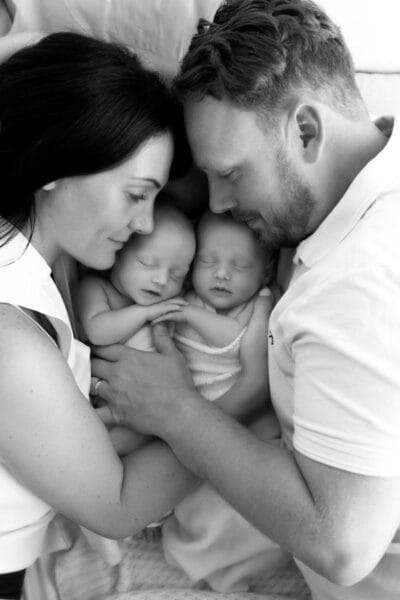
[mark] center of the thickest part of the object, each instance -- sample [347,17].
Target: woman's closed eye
[139,197]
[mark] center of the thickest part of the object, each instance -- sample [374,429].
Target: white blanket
[214,369]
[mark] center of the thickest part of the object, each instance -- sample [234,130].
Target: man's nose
[220,198]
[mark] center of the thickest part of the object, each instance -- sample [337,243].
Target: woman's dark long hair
[72,105]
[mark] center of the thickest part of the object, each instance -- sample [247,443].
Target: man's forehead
[219,131]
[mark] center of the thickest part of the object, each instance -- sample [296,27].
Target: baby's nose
[222,272]
[160,277]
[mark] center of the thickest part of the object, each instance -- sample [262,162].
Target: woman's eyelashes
[133,197]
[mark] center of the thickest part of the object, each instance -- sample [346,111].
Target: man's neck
[354,145]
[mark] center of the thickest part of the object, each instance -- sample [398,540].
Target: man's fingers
[111,353]
[162,339]
[106,415]
[100,369]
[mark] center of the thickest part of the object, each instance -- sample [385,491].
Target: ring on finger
[96,387]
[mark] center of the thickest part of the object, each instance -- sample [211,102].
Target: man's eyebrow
[154,182]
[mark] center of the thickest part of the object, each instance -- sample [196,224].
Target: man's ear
[49,186]
[310,132]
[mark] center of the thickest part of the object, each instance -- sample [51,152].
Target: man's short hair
[256,53]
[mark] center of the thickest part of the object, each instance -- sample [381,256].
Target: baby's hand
[160,309]
[177,316]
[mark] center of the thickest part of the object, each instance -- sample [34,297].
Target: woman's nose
[143,223]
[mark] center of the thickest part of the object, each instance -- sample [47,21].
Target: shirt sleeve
[346,350]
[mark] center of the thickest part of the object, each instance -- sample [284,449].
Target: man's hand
[141,387]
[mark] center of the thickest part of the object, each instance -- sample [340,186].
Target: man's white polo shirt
[334,340]
[335,334]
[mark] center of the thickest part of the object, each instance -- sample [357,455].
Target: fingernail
[264,292]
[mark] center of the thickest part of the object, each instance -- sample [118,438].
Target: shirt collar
[373,180]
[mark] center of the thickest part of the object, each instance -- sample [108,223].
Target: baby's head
[230,264]
[151,268]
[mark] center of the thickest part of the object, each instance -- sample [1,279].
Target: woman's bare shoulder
[21,337]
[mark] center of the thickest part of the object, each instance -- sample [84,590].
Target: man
[276,121]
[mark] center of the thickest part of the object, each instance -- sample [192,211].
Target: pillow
[159,31]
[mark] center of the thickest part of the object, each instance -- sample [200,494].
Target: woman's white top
[26,282]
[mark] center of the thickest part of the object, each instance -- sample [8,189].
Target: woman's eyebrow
[148,180]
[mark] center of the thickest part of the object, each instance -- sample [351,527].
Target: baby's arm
[104,325]
[216,329]
[250,395]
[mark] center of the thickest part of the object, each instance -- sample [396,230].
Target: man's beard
[289,226]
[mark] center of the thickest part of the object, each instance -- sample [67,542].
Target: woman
[86,143]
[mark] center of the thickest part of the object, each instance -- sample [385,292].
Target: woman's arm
[104,325]
[53,442]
